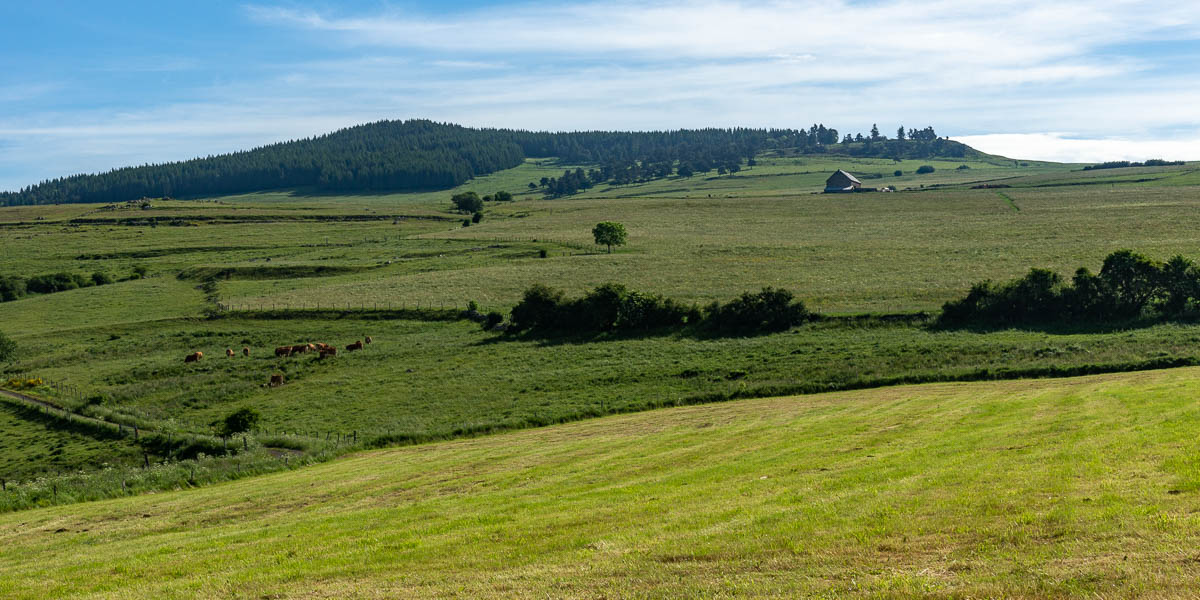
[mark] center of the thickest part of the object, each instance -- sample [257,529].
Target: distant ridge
[422,155]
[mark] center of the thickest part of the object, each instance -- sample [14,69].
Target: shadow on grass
[1067,327]
[559,337]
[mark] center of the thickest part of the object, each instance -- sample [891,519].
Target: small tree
[477,217]
[609,234]
[239,421]
[503,196]
[898,173]
[467,202]
[925,169]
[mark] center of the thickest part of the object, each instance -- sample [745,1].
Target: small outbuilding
[841,181]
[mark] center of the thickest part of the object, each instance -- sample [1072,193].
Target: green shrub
[768,310]
[467,202]
[477,217]
[239,421]
[12,288]
[925,169]
[101,278]
[494,318]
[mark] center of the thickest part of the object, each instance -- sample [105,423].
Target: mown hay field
[1026,489]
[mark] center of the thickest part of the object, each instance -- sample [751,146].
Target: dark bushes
[610,307]
[769,310]
[613,307]
[56,282]
[1129,286]
[13,287]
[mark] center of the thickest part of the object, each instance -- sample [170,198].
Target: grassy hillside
[895,252]
[1070,488]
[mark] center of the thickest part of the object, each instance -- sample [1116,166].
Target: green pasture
[33,445]
[1071,488]
[422,380]
[846,253]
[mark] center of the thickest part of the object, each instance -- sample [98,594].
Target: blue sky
[89,86]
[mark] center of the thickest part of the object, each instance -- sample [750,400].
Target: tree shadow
[1067,327]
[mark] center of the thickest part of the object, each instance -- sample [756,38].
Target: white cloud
[983,67]
[1058,147]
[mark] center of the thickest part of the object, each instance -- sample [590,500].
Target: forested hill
[421,155]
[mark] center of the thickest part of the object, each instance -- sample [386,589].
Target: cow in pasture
[355,346]
[312,346]
[277,380]
[245,351]
[229,353]
[322,346]
[328,351]
[283,351]
[367,339]
[299,348]
[193,357]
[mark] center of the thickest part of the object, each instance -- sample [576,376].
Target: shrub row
[613,307]
[1120,164]
[13,287]
[1129,286]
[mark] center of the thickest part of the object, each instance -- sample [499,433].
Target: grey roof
[852,178]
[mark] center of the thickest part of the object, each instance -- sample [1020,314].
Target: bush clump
[613,307]
[1129,286]
[239,421]
[768,310]
[609,307]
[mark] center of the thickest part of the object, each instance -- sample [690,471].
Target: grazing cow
[355,346]
[229,353]
[329,351]
[312,347]
[283,351]
[245,351]
[277,380]
[367,339]
[322,346]
[193,357]
[299,348]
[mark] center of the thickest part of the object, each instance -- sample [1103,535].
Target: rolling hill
[392,156]
[1043,489]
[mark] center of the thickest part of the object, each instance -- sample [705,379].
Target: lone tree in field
[467,202]
[609,234]
[240,421]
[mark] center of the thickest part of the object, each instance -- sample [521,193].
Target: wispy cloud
[1059,147]
[971,69]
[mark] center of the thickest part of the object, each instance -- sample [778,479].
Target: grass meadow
[695,239]
[1082,487]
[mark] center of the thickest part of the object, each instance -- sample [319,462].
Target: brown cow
[229,353]
[299,348]
[245,351]
[367,339]
[355,346]
[323,346]
[312,347]
[328,351]
[283,351]
[193,357]
[277,380]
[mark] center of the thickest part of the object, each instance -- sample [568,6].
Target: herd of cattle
[325,350]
